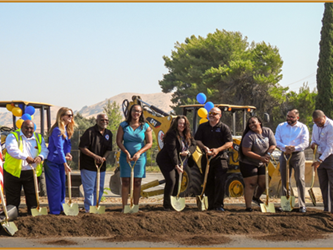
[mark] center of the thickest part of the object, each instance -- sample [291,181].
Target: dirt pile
[189,227]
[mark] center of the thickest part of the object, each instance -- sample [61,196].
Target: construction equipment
[131,209]
[235,117]
[38,210]
[70,208]
[202,201]
[178,203]
[287,201]
[11,214]
[311,193]
[97,209]
[267,207]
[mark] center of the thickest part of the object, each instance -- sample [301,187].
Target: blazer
[168,157]
[58,146]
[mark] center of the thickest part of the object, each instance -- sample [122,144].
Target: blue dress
[134,140]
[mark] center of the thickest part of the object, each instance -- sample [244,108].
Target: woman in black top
[178,141]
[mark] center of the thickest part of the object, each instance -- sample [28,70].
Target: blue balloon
[30,110]
[35,126]
[201,98]
[21,106]
[209,106]
[26,117]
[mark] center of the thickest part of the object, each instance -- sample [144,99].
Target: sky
[78,54]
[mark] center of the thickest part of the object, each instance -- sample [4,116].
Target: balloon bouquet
[17,111]
[203,112]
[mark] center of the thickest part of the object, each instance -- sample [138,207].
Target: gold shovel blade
[287,204]
[202,203]
[40,211]
[9,227]
[131,209]
[312,196]
[267,209]
[177,203]
[71,209]
[97,210]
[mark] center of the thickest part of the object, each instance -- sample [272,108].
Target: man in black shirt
[95,146]
[214,138]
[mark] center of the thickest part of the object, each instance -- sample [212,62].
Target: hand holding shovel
[311,193]
[97,209]
[178,203]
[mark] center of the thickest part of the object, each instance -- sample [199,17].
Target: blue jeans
[89,182]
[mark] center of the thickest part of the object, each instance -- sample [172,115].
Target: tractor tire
[192,182]
[234,186]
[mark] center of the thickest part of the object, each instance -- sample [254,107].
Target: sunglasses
[214,113]
[69,115]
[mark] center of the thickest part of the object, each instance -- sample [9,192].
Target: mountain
[160,100]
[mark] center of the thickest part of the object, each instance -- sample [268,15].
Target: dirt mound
[189,227]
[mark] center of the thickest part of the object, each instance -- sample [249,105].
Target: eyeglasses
[69,115]
[291,117]
[214,113]
[104,120]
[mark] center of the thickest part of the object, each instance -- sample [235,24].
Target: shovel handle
[287,174]
[180,175]
[132,181]
[267,183]
[4,204]
[36,185]
[206,175]
[98,182]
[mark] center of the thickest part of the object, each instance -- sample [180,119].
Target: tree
[112,110]
[324,99]
[227,69]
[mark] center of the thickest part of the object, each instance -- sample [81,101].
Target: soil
[189,227]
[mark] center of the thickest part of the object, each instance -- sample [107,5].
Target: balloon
[9,106]
[26,117]
[202,112]
[209,106]
[201,98]
[30,110]
[35,126]
[19,123]
[21,106]
[32,117]
[17,111]
[202,120]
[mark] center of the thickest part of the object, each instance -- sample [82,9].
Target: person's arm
[119,141]
[12,148]
[96,157]
[202,146]
[59,141]
[278,138]
[304,139]
[170,144]
[43,154]
[227,137]
[314,141]
[149,143]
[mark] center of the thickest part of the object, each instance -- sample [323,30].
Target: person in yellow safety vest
[25,149]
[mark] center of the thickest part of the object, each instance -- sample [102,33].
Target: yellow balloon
[32,117]
[19,123]
[9,106]
[203,120]
[17,111]
[202,112]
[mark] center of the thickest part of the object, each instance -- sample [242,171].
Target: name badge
[107,137]
[218,130]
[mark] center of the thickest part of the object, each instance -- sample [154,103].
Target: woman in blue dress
[134,138]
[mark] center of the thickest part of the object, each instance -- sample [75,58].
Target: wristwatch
[268,153]
[320,161]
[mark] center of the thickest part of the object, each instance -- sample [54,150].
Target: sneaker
[219,209]
[248,209]
[302,210]
[257,201]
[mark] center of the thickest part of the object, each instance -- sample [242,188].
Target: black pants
[217,176]
[171,177]
[13,186]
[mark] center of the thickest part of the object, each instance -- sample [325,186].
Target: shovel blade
[97,210]
[71,209]
[312,196]
[131,209]
[12,212]
[202,203]
[9,227]
[267,208]
[287,204]
[40,211]
[177,203]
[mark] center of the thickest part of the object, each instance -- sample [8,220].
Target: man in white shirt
[322,136]
[292,137]
[24,149]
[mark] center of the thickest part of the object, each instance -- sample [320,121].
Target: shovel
[288,201]
[267,207]
[10,214]
[131,209]
[38,210]
[202,201]
[311,193]
[178,203]
[97,209]
[70,208]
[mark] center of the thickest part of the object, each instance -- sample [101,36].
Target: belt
[295,153]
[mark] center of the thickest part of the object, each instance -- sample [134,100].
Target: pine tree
[324,99]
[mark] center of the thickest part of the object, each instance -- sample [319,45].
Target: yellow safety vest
[13,165]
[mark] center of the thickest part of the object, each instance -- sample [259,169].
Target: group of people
[26,149]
